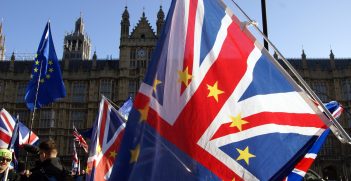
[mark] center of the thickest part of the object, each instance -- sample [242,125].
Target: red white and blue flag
[107,133]
[7,125]
[306,162]
[79,138]
[214,105]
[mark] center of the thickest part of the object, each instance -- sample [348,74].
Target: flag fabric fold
[107,133]
[301,168]
[14,134]
[215,105]
[125,109]
[7,126]
[46,84]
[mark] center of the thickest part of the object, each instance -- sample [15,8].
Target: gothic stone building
[87,79]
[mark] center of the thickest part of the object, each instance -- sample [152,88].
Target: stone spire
[12,63]
[2,43]
[332,59]
[331,55]
[303,59]
[79,29]
[160,21]
[125,24]
[77,44]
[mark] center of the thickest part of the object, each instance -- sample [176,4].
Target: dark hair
[48,146]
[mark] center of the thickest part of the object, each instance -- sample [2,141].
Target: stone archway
[330,173]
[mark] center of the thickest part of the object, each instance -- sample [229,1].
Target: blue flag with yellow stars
[46,84]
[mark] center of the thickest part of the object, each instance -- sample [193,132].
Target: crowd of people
[47,168]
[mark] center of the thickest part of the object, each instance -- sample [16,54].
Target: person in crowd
[49,168]
[5,160]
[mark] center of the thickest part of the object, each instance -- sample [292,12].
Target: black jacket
[48,170]
[12,176]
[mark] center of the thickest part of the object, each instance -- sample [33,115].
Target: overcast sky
[314,25]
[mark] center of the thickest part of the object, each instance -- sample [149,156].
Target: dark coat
[49,170]
[12,176]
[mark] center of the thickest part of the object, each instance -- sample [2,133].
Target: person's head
[5,159]
[47,149]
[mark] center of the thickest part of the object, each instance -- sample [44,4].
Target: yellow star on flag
[98,149]
[135,154]
[35,69]
[245,155]
[214,91]
[237,122]
[37,62]
[184,76]
[51,69]
[48,76]
[156,82]
[144,113]
[42,80]
[50,62]
[113,154]
[87,170]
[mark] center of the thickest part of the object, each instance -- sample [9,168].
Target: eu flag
[46,84]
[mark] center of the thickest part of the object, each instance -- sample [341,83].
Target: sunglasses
[2,159]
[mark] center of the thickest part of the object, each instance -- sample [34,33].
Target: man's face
[4,163]
[42,155]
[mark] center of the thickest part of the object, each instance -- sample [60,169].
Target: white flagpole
[78,171]
[6,173]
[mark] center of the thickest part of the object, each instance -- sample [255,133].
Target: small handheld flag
[7,126]
[46,84]
[79,138]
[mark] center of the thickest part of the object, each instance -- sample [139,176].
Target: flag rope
[336,128]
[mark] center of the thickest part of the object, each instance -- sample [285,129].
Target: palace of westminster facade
[87,78]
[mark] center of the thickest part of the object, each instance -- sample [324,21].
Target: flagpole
[338,130]
[264,22]
[111,102]
[34,110]
[35,102]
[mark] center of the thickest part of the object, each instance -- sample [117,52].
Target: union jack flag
[215,105]
[107,133]
[79,138]
[7,125]
[305,163]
